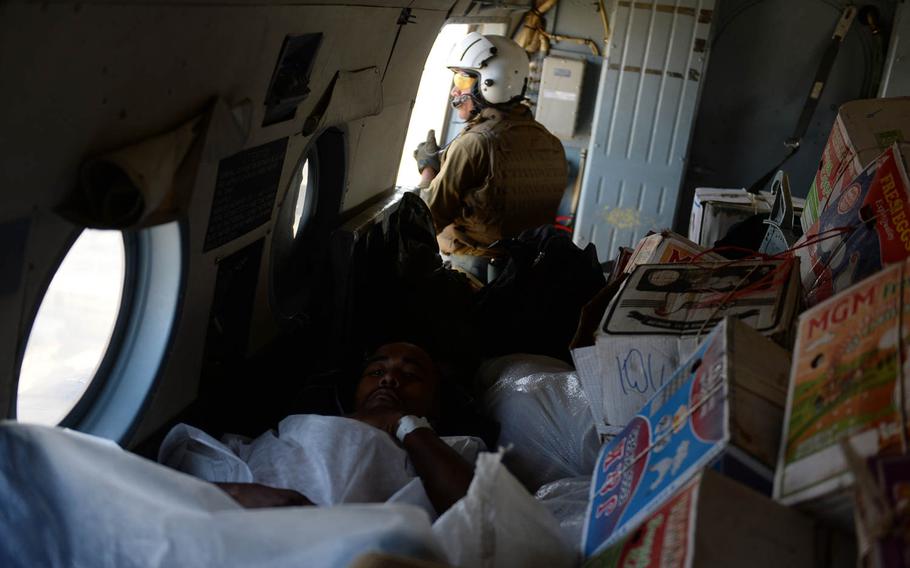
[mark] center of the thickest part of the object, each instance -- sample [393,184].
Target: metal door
[643,121]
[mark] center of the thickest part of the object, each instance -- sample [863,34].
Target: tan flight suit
[504,173]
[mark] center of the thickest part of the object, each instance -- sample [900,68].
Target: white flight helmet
[500,63]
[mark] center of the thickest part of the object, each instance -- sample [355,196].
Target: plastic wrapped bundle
[70,499]
[76,500]
[545,417]
[330,459]
[567,500]
[498,524]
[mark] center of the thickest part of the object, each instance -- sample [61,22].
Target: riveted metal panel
[643,121]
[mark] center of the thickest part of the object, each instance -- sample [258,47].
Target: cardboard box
[714,522]
[861,131]
[865,227]
[667,247]
[724,405]
[660,315]
[844,383]
[624,254]
[714,211]
[883,508]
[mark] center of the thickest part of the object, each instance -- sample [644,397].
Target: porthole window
[301,209]
[292,234]
[72,330]
[307,215]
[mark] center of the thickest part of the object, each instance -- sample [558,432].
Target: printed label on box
[864,227]
[667,248]
[690,299]
[664,539]
[862,130]
[844,380]
[679,431]
[836,157]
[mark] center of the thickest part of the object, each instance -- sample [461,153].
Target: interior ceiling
[104,75]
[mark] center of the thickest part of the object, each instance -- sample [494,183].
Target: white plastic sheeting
[567,500]
[330,459]
[498,524]
[545,418]
[74,500]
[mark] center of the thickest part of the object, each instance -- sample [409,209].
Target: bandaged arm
[444,473]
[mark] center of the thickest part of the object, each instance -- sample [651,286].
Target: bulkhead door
[643,122]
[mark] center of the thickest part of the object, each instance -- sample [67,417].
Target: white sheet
[75,500]
[330,459]
[498,524]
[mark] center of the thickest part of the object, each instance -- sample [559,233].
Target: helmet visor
[464,81]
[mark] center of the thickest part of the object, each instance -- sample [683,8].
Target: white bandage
[409,423]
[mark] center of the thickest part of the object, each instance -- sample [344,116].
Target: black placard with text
[245,191]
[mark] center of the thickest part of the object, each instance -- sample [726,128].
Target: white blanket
[330,459]
[75,500]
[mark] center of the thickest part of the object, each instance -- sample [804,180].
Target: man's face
[461,90]
[398,376]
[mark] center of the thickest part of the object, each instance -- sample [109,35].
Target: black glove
[427,153]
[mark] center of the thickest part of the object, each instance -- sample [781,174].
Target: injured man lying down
[386,451]
[319,490]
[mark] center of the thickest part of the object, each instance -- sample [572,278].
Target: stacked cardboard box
[682,412]
[862,130]
[667,247]
[883,510]
[725,403]
[661,314]
[715,211]
[713,522]
[846,382]
[865,226]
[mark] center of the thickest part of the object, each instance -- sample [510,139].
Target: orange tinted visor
[463,81]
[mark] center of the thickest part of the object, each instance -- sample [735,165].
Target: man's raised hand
[427,153]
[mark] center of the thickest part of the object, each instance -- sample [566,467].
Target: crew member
[505,172]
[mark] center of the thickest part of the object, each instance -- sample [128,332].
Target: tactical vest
[526,181]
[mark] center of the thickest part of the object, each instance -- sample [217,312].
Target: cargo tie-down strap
[815,94]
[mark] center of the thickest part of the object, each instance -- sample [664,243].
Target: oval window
[73,328]
[289,243]
[301,204]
